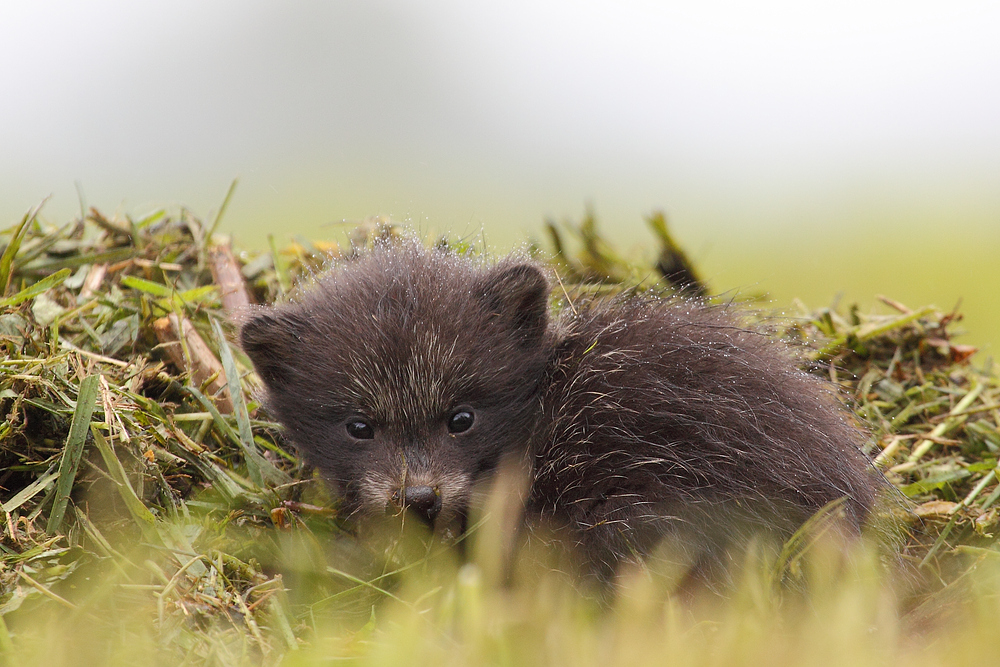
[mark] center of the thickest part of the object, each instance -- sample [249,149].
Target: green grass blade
[235,388]
[30,491]
[7,259]
[149,219]
[147,286]
[265,467]
[198,294]
[40,248]
[85,403]
[31,291]
[281,613]
[222,210]
[284,281]
[143,517]
[75,261]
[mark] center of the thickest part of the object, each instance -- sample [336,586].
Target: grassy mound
[153,515]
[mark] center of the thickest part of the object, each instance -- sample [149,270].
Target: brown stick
[203,364]
[226,274]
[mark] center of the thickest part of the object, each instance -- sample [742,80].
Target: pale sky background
[801,148]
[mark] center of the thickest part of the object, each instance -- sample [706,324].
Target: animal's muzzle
[423,502]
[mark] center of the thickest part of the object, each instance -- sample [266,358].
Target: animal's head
[406,375]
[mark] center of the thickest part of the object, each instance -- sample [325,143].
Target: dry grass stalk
[190,354]
[91,284]
[226,274]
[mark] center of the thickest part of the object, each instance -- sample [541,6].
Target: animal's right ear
[519,297]
[271,340]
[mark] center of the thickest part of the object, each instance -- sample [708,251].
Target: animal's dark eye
[461,421]
[360,429]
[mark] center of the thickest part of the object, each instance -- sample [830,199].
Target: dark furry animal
[407,375]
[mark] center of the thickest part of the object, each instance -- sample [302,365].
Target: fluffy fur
[641,418]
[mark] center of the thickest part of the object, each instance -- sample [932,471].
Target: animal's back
[669,418]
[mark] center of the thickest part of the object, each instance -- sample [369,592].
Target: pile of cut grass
[152,513]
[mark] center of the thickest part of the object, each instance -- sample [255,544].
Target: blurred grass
[151,518]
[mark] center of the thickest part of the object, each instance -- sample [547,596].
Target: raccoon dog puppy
[408,374]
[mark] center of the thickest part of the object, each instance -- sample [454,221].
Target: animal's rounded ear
[518,296]
[272,341]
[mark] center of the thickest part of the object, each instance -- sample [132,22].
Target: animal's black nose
[423,501]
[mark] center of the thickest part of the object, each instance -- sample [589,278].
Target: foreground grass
[152,515]
[847,614]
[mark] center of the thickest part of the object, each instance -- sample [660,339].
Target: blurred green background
[800,150]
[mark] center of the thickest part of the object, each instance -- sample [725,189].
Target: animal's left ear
[271,338]
[518,296]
